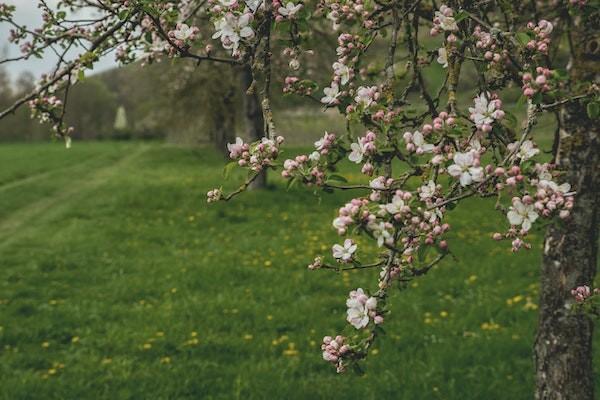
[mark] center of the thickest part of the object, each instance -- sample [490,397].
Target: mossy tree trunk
[563,347]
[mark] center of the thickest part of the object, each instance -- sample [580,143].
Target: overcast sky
[27,13]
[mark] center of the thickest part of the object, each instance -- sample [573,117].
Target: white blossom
[522,214]
[289,10]
[357,153]
[331,94]
[463,168]
[344,253]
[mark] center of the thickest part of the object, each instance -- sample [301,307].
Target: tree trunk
[224,123]
[563,346]
[253,120]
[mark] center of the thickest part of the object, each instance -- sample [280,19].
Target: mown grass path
[82,179]
[118,281]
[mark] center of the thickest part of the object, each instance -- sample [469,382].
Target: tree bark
[253,119]
[224,123]
[563,346]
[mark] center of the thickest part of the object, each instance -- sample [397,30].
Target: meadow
[118,281]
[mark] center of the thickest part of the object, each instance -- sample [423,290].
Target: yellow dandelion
[174,290]
[375,352]
[471,279]
[52,371]
[268,263]
[248,336]
[45,345]
[75,339]
[443,314]
[428,321]
[269,317]
[106,361]
[194,334]
[147,346]
[160,334]
[291,350]
[165,360]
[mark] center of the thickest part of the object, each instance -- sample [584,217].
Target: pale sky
[28,13]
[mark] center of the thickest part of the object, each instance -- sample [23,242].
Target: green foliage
[119,282]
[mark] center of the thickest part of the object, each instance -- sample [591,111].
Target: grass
[118,281]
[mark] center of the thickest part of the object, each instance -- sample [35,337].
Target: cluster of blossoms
[488,44]
[325,144]
[183,34]
[341,11]
[343,71]
[552,198]
[232,27]
[365,146]
[542,31]
[307,166]
[538,85]
[444,21]
[582,293]
[256,156]
[488,108]
[293,84]
[214,195]
[333,351]
[362,309]
[287,11]
[355,209]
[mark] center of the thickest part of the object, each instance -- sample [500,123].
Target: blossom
[360,308]
[465,169]
[427,191]
[232,29]
[344,253]
[185,32]
[366,95]
[396,206]
[443,57]
[314,156]
[334,350]
[381,232]
[289,10]
[342,71]
[580,293]
[235,149]
[527,150]
[331,94]
[522,214]
[485,112]
[378,183]
[358,151]
[421,146]
[555,187]
[444,19]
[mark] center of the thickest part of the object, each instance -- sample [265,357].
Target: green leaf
[523,38]
[228,168]
[338,178]
[537,98]
[459,16]
[593,109]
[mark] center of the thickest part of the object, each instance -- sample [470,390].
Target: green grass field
[118,281]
